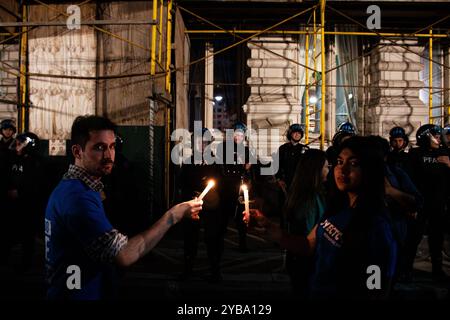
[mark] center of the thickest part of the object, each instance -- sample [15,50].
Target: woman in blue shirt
[355,236]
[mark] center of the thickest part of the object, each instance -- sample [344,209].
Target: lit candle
[247,207]
[211,184]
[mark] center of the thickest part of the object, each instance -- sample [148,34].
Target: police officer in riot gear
[289,155]
[446,142]
[195,175]
[399,141]
[7,131]
[429,167]
[238,166]
[26,194]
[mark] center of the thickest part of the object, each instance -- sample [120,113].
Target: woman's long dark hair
[371,192]
[307,182]
[369,203]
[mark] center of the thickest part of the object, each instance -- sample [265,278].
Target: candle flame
[208,187]
[244,187]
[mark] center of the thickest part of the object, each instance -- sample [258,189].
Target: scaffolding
[26,26]
[160,60]
[156,52]
[23,62]
[323,33]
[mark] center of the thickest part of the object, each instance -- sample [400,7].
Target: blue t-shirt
[73,220]
[379,249]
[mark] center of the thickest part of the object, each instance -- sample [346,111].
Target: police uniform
[233,176]
[6,155]
[194,178]
[398,158]
[27,181]
[431,178]
[289,156]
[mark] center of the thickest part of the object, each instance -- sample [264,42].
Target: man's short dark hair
[83,125]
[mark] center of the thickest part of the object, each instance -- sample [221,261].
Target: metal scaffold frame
[323,79]
[158,69]
[323,6]
[157,30]
[23,62]
[27,26]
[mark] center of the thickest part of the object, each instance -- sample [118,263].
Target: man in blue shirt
[78,236]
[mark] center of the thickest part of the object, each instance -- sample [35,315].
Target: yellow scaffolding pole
[323,100]
[315,40]
[160,31]
[153,49]
[448,114]
[168,108]
[169,44]
[430,79]
[314,56]
[306,89]
[342,33]
[23,70]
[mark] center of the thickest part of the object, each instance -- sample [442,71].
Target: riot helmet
[398,138]
[239,132]
[240,126]
[347,127]
[7,124]
[429,136]
[295,128]
[25,143]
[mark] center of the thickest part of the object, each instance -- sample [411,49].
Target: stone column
[274,101]
[446,86]
[393,79]
[330,101]
[209,87]
[8,82]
